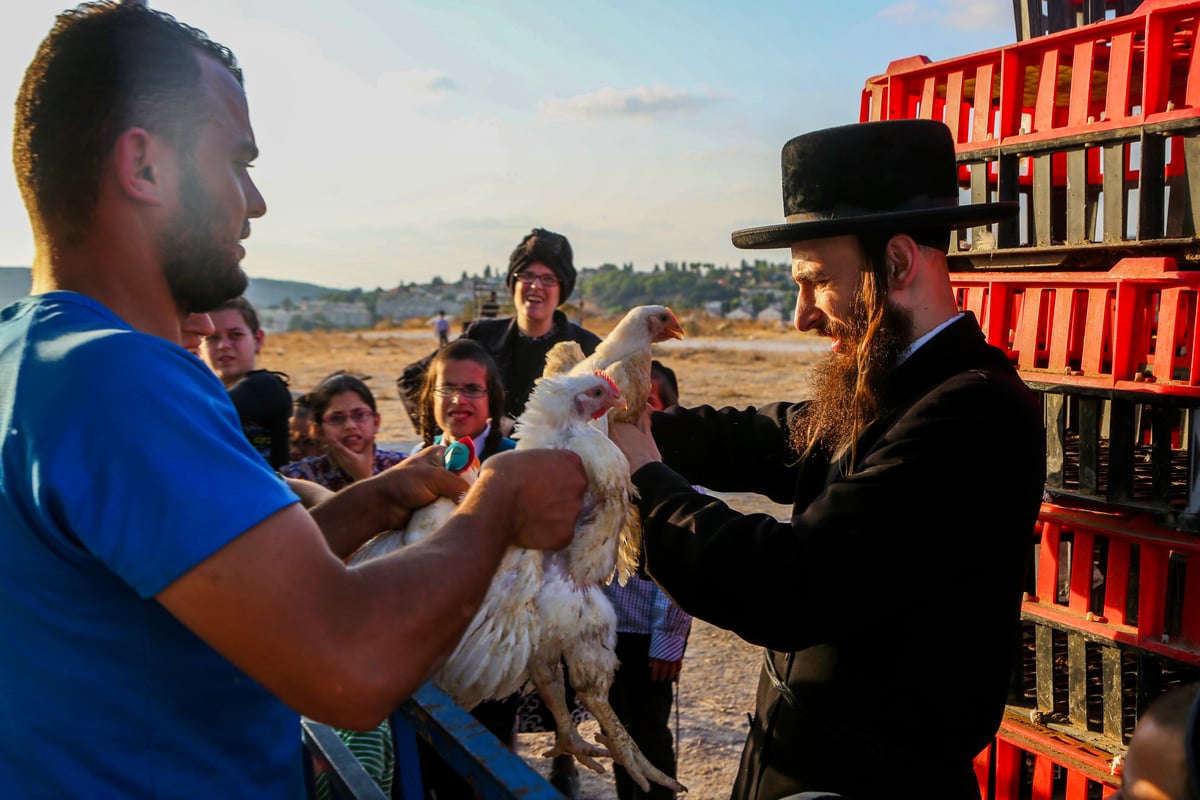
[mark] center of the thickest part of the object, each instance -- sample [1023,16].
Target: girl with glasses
[463,398]
[344,419]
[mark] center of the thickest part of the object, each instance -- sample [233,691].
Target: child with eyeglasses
[463,398]
[541,276]
[344,419]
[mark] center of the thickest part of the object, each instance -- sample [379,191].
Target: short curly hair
[103,68]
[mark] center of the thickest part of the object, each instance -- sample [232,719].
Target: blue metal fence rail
[490,768]
[347,778]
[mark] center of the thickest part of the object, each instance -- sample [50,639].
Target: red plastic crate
[1028,762]
[1090,130]
[1133,70]
[1110,622]
[1126,580]
[1131,328]
[1039,17]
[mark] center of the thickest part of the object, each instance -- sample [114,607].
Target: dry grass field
[707,374]
[718,364]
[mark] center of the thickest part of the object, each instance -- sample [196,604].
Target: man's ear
[140,166]
[901,255]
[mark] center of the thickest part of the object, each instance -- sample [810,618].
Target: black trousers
[644,707]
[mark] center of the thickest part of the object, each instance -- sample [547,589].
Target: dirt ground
[716,687]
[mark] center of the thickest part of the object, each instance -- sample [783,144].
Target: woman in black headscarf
[541,276]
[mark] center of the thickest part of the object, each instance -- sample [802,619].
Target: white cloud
[905,12]
[640,102]
[417,85]
[978,15]
[962,15]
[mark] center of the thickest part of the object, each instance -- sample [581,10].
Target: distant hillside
[262,292]
[268,293]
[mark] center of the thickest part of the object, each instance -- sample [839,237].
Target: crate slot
[1116,578]
[1128,451]
[1029,762]
[1094,131]
[1132,327]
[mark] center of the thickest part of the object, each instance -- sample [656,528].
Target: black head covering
[894,176]
[545,247]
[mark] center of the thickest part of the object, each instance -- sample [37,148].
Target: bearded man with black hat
[915,470]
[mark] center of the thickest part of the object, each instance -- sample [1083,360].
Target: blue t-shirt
[123,466]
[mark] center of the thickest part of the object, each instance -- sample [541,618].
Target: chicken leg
[591,663]
[547,678]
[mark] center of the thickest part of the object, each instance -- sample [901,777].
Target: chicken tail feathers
[562,357]
[629,550]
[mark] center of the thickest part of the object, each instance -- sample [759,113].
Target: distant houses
[392,306]
[316,314]
[397,306]
[418,303]
[771,315]
[758,291]
[285,306]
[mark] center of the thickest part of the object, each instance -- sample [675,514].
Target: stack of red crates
[1094,293]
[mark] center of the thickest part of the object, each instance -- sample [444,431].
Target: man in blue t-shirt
[169,608]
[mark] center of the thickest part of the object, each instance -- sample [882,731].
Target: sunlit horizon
[406,140]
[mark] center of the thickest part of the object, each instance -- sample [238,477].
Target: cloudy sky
[402,140]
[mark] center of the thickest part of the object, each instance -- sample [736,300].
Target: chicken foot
[623,749]
[591,663]
[567,740]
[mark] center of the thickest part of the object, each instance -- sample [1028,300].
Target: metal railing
[492,770]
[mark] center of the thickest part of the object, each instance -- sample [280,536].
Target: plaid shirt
[644,608]
[323,470]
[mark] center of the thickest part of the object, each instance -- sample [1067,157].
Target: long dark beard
[848,390]
[202,270]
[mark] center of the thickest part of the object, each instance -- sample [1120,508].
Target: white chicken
[458,457]
[577,625]
[507,620]
[546,609]
[624,355]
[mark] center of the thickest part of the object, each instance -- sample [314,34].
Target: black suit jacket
[890,602]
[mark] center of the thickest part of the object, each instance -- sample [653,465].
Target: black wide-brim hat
[894,176]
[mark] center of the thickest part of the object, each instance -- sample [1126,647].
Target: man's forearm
[350,517]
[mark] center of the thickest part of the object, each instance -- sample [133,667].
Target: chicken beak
[673,330]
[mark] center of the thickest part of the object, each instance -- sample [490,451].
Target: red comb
[602,374]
